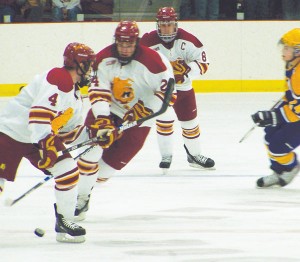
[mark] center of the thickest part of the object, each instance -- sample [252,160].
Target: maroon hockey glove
[104,128]
[180,70]
[48,147]
[139,110]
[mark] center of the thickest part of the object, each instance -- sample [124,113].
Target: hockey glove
[139,110]
[48,147]
[266,118]
[104,128]
[180,70]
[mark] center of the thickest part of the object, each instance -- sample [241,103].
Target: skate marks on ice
[196,220]
[164,219]
[187,216]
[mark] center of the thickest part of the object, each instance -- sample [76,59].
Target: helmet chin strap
[293,62]
[84,81]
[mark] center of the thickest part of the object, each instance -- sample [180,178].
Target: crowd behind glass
[73,10]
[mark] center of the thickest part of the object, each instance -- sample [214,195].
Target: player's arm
[47,106]
[197,61]
[100,96]
[42,113]
[290,108]
[99,92]
[159,84]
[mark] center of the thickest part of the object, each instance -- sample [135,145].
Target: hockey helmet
[127,31]
[76,53]
[166,15]
[292,38]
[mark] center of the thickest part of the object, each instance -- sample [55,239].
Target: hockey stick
[248,133]
[166,101]
[255,125]
[164,107]
[10,202]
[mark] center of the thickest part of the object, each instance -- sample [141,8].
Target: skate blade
[102,179]
[201,167]
[269,187]
[81,217]
[66,238]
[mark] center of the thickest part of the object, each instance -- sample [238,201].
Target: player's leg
[281,142]
[119,154]
[88,167]
[11,154]
[165,131]
[66,175]
[186,111]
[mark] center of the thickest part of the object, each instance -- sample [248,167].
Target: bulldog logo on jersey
[122,90]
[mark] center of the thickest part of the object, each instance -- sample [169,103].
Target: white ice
[188,215]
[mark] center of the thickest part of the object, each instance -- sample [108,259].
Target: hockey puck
[39,232]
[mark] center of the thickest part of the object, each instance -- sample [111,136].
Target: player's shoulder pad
[104,53]
[150,59]
[184,35]
[61,78]
[150,39]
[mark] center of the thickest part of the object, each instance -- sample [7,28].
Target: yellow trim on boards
[10,89]
[200,86]
[220,86]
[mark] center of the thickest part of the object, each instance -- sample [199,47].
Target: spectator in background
[291,9]
[97,6]
[275,9]
[32,10]
[8,8]
[207,9]
[65,10]
[256,9]
[186,9]
[227,10]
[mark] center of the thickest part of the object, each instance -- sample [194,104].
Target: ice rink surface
[188,215]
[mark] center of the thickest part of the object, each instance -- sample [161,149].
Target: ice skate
[280,180]
[199,161]
[68,231]
[268,181]
[286,177]
[82,207]
[165,164]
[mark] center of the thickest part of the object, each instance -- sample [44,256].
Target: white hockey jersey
[27,117]
[116,87]
[184,47]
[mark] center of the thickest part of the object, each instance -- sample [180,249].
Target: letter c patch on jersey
[122,90]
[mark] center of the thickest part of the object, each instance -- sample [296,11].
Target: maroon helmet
[76,53]
[127,31]
[166,15]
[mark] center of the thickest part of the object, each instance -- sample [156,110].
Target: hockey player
[128,86]
[282,123]
[188,58]
[30,127]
